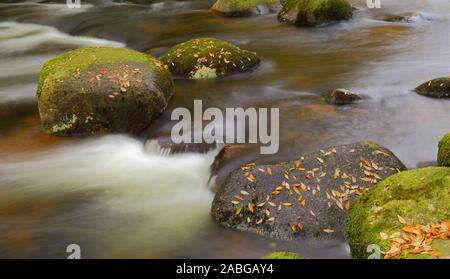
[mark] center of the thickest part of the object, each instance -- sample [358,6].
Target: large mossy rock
[305,198]
[236,8]
[315,12]
[444,151]
[415,197]
[436,88]
[208,58]
[101,89]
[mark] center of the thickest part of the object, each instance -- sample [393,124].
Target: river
[122,196]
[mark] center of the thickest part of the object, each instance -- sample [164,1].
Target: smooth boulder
[208,58]
[341,97]
[238,8]
[98,90]
[305,198]
[435,88]
[314,12]
[406,216]
[443,159]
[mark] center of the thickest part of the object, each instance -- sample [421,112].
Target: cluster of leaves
[298,187]
[416,239]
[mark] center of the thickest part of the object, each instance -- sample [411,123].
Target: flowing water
[122,196]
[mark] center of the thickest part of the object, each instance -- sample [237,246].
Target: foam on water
[20,64]
[121,178]
[22,37]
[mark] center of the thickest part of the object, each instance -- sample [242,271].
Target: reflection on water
[117,200]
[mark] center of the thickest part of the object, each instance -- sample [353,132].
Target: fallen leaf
[401,220]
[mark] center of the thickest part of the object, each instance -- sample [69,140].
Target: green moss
[72,62]
[187,58]
[247,4]
[282,255]
[444,151]
[371,144]
[96,90]
[315,12]
[239,7]
[420,196]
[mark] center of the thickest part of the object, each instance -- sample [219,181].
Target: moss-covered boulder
[236,8]
[314,12]
[436,88]
[282,256]
[101,89]
[341,97]
[305,198]
[406,202]
[208,58]
[444,151]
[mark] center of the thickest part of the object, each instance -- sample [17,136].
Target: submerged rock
[306,198]
[388,212]
[282,256]
[436,88]
[236,8]
[444,151]
[227,153]
[341,97]
[208,58]
[101,89]
[174,148]
[314,12]
[405,17]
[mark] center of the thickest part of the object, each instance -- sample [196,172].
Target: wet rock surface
[306,198]
[173,148]
[240,8]
[341,97]
[435,88]
[314,12]
[410,17]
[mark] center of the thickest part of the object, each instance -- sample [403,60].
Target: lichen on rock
[101,89]
[315,12]
[204,57]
